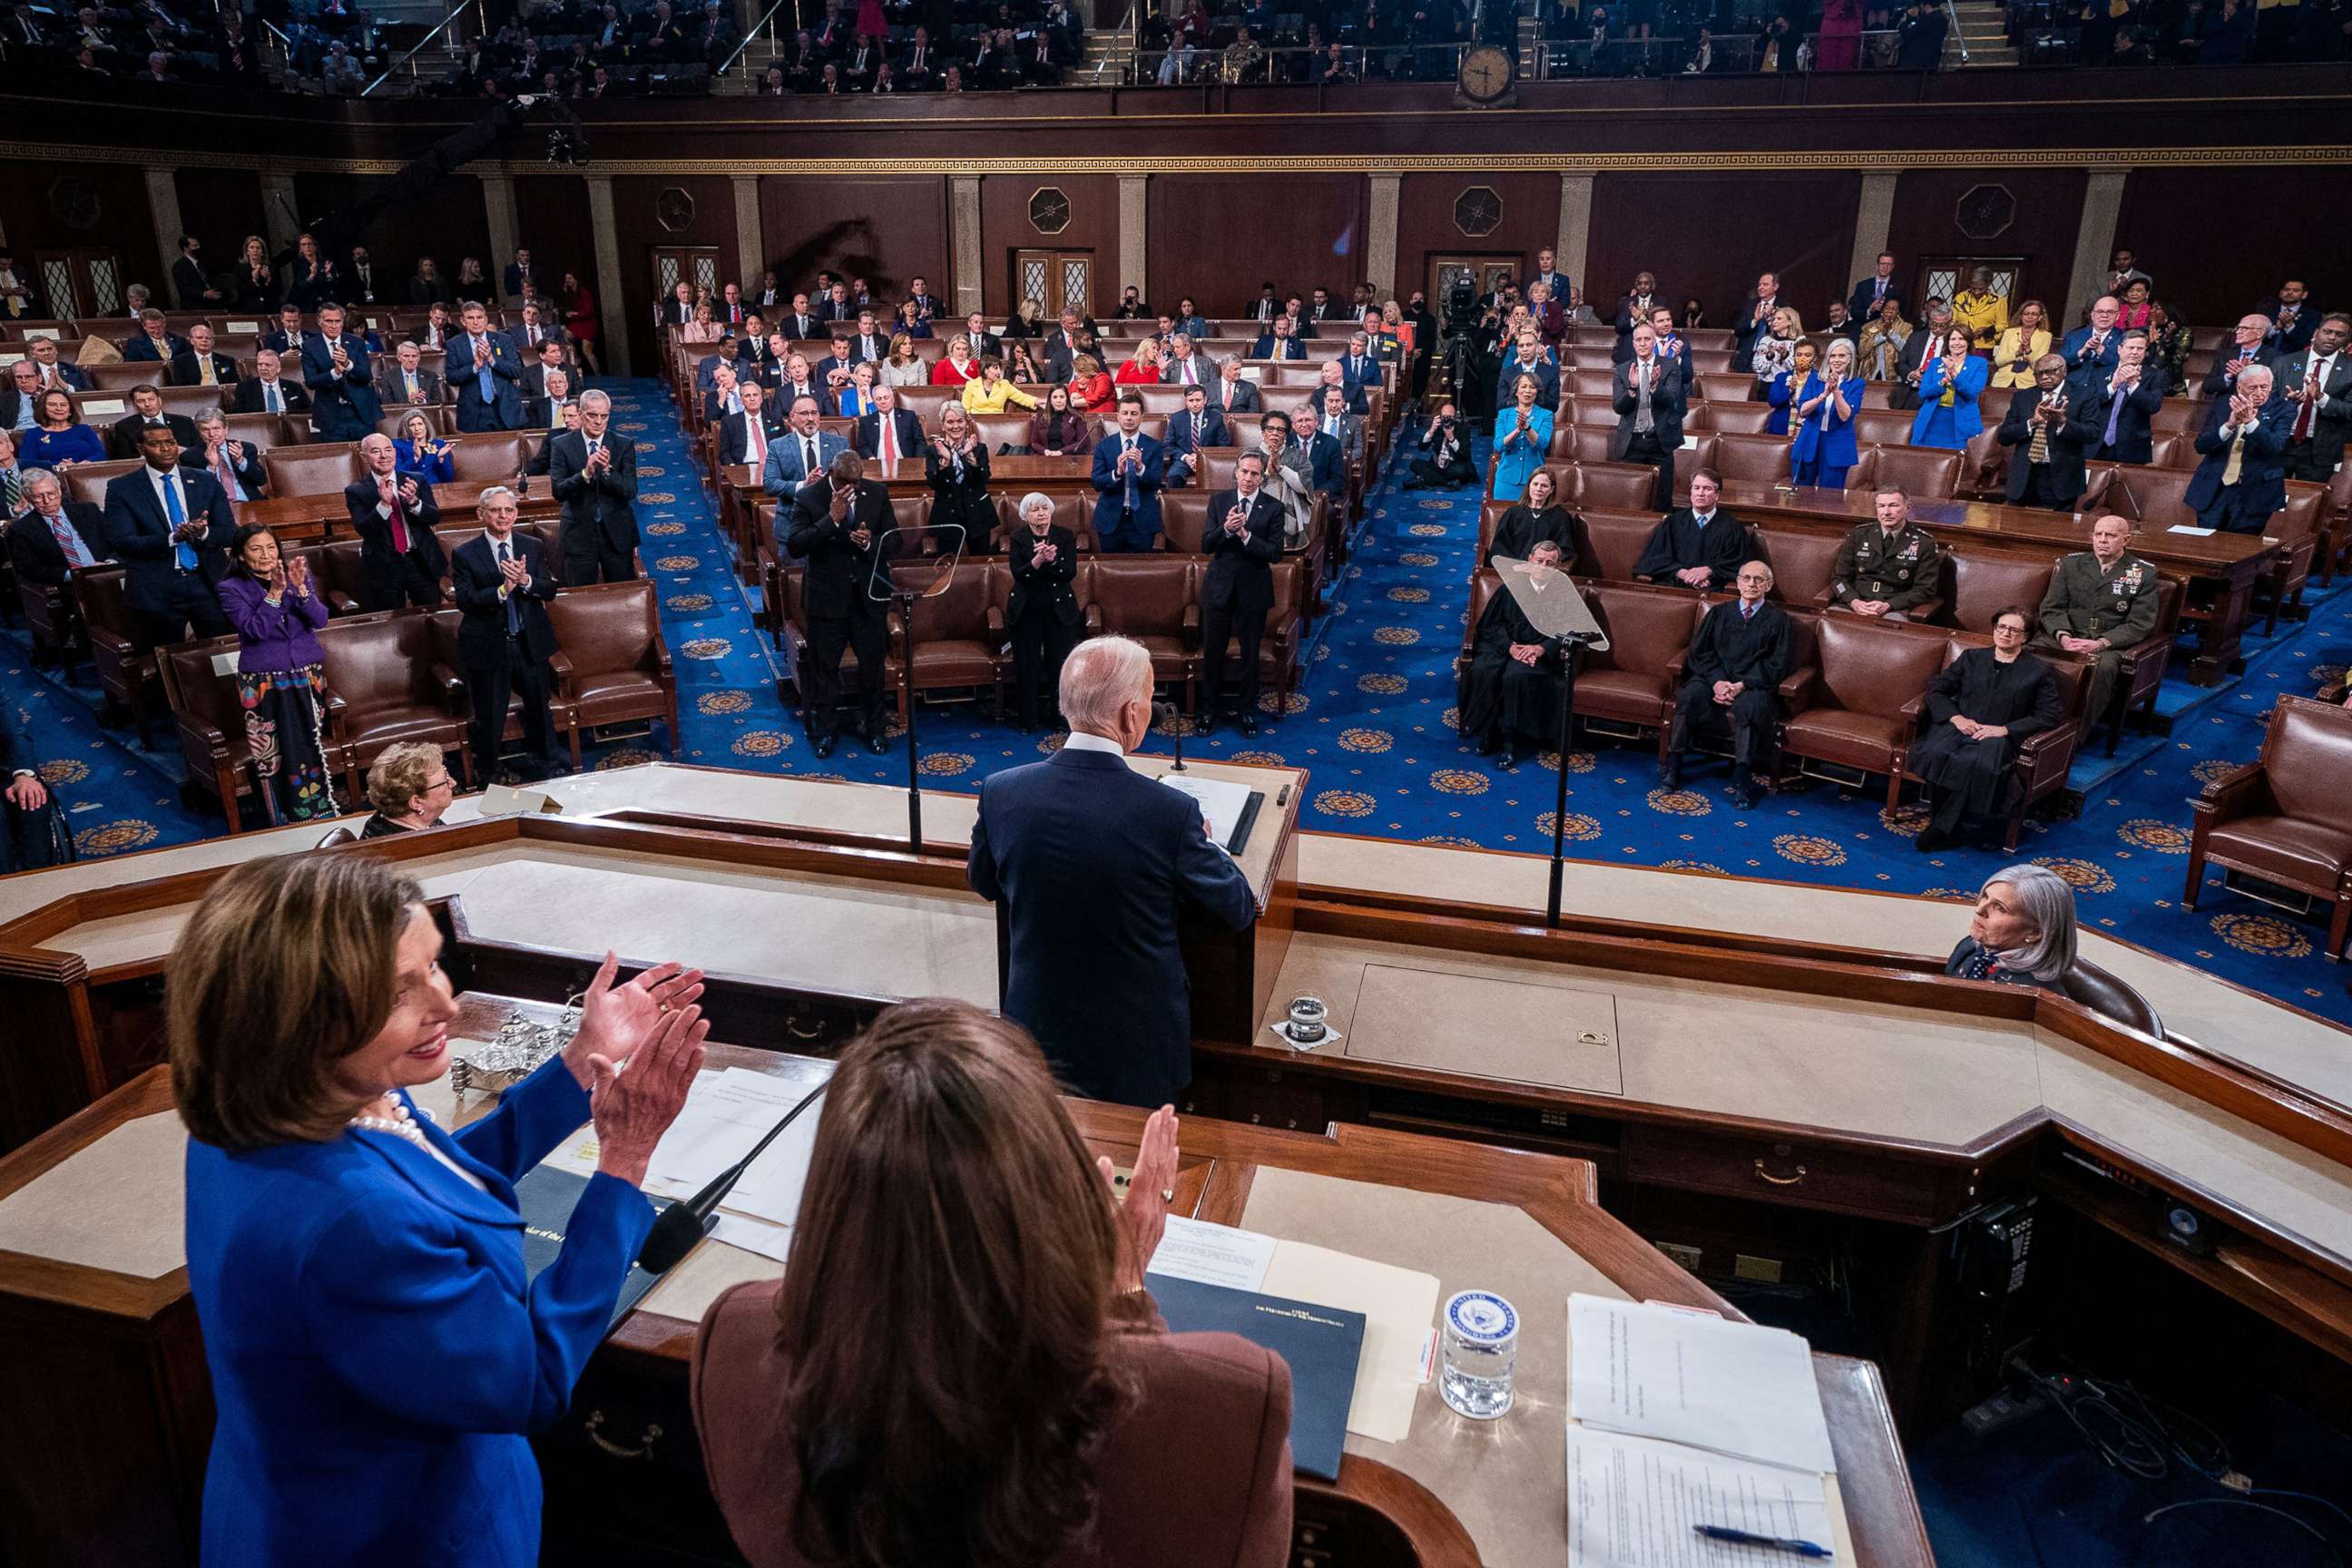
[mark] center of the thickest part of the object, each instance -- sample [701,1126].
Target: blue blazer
[2080,360]
[1327,465]
[504,410]
[1823,431]
[1514,466]
[376,1352]
[438,470]
[1268,346]
[786,471]
[342,407]
[1110,490]
[1966,417]
[1091,861]
[2262,466]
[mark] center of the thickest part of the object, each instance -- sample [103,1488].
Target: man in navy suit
[1092,864]
[748,436]
[1126,475]
[1243,539]
[504,635]
[171,527]
[842,525]
[594,474]
[1873,292]
[2247,346]
[2318,381]
[401,561]
[890,433]
[335,369]
[1359,369]
[2242,479]
[53,369]
[2092,349]
[49,527]
[485,372]
[152,343]
[1199,426]
[2111,413]
[1547,273]
[1335,376]
[24,841]
[2292,318]
[1327,460]
[1279,341]
[789,464]
[286,337]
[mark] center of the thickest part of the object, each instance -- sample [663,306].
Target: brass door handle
[1763,1174]
[644,1450]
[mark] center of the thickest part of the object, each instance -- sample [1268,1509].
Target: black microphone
[681,1228]
[1165,713]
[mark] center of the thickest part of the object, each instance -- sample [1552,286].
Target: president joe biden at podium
[1091,862]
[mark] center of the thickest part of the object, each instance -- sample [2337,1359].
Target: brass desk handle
[644,1450]
[1763,1174]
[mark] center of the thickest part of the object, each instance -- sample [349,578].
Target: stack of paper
[1677,1420]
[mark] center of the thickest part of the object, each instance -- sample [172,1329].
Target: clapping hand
[1143,1217]
[861,536]
[297,573]
[408,491]
[615,1019]
[481,353]
[516,574]
[1235,520]
[633,1099]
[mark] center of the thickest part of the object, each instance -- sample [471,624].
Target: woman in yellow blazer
[989,392]
[1979,312]
[2027,341]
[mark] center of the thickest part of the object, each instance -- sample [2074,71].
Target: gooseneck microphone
[1165,713]
[682,1227]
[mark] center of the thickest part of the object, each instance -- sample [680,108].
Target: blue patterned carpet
[1372,722]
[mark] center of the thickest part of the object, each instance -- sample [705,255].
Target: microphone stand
[1165,712]
[903,602]
[1571,649]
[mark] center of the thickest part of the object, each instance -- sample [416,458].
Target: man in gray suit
[403,378]
[1232,393]
[1186,365]
[1647,394]
[803,454]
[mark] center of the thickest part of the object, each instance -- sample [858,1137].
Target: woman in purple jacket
[281,676]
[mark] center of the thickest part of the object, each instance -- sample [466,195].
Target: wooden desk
[110,1405]
[2230,563]
[301,519]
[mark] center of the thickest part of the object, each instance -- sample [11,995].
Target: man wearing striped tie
[54,537]
[235,465]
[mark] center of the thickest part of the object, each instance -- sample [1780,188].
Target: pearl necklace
[399,1124]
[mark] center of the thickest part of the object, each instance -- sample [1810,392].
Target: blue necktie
[488,381]
[514,616]
[182,553]
[2115,414]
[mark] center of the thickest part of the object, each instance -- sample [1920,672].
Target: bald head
[1106,689]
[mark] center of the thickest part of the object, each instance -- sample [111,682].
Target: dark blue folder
[546,1197]
[1321,1344]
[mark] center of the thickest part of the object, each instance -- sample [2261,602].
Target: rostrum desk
[1705,1063]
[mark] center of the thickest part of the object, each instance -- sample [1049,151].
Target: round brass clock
[1487,74]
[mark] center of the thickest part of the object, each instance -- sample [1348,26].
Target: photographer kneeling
[1444,459]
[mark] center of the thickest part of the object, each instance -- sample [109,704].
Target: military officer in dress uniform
[2101,601]
[1888,568]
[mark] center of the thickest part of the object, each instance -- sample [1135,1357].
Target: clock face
[1049,211]
[674,209]
[1485,74]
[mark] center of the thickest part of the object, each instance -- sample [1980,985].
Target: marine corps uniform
[1904,572]
[2085,600]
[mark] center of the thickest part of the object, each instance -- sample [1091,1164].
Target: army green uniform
[1904,571]
[2085,600]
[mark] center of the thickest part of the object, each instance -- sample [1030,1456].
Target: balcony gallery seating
[2286,817]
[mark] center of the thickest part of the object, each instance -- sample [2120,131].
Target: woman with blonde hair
[1142,369]
[2022,342]
[956,366]
[704,327]
[1775,350]
[965,1365]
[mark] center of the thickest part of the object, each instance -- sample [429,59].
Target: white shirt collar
[509,541]
[1080,740]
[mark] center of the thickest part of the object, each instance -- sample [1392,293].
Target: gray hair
[1851,354]
[1035,497]
[483,501]
[2048,901]
[1234,360]
[399,775]
[592,396]
[26,478]
[1101,676]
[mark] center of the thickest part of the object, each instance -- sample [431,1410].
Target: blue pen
[1778,1543]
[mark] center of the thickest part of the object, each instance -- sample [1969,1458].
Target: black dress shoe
[1746,796]
[878,740]
[1508,760]
[1204,723]
[1670,773]
[1490,746]
[1930,839]
[823,745]
[1247,726]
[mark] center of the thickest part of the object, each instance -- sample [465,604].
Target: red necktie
[889,442]
[2302,421]
[385,487]
[759,441]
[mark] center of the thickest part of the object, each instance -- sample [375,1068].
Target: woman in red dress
[580,319]
[1090,385]
[957,365]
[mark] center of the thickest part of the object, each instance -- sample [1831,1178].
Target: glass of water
[1478,1344]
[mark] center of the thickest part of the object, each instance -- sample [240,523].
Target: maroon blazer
[1197,1475]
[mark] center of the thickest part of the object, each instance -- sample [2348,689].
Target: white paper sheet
[1399,1306]
[1212,1254]
[754,1236]
[725,1114]
[1634,1503]
[771,1189]
[1736,1388]
[1222,802]
[2184,528]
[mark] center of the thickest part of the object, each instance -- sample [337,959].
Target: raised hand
[614,1019]
[1143,1217]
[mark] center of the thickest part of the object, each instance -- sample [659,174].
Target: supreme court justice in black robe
[1695,538]
[1537,517]
[1983,706]
[1516,671]
[1739,656]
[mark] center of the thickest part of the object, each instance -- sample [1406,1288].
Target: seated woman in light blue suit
[377,1351]
[1785,384]
[1522,437]
[1949,389]
[1825,403]
[418,453]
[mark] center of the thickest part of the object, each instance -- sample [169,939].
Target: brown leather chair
[1859,704]
[389,681]
[1010,429]
[210,722]
[1756,459]
[2042,760]
[1612,543]
[262,431]
[52,620]
[2286,817]
[1598,385]
[1983,585]
[492,456]
[192,401]
[119,651]
[1483,585]
[1931,472]
[1155,599]
[613,666]
[1984,468]
[1277,649]
[1615,487]
[953,644]
[2103,994]
[1802,564]
[317,470]
[1581,443]
[1632,681]
[1722,386]
[1733,418]
[1881,427]
[563,713]
[1993,403]
[1184,519]
[341,581]
[923,402]
[86,481]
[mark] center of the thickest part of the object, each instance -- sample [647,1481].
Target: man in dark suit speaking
[1091,862]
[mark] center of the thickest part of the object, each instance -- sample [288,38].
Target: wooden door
[84,283]
[1059,280]
[1486,274]
[1942,277]
[676,264]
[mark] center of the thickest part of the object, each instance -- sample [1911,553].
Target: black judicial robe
[1755,651]
[2022,695]
[1523,700]
[1523,527]
[1678,543]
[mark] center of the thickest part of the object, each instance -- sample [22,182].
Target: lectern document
[1632,1503]
[1736,1388]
